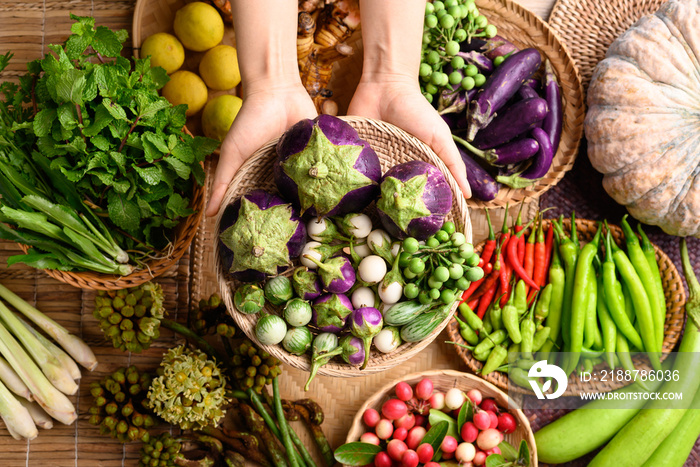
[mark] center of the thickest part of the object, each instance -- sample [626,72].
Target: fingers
[230,161]
[446,149]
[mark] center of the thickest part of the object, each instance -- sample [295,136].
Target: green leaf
[123,212]
[100,142]
[114,109]
[157,140]
[60,214]
[152,108]
[37,260]
[436,435]
[150,175]
[508,451]
[198,173]
[496,460]
[106,42]
[34,221]
[356,453]
[102,118]
[98,160]
[70,86]
[76,45]
[523,454]
[67,116]
[182,170]
[184,153]
[466,413]
[43,121]
[159,77]
[202,147]
[177,206]
[436,416]
[119,159]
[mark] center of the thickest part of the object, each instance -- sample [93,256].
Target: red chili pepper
[473,304]
[517,266]
[474,285]
[486,299]
[509,286]
[529,262]
[490,245]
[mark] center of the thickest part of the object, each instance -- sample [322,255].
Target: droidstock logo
[542,369]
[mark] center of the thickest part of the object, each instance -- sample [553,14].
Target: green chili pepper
[520,377]
[514,348]
[614,298]
[569,256]
[574,231]
[510,318]
[466,332]
[470,317]
[589,353]
[541,337]
[490,340]
[608,325]
[496,358]
[495,315]
[641,267]
[650,255]
[592,335]
[553,321]
[527,333]
[642,308]
[581,287]
[488,328]
[520,293]
[587,365]
[525,364]
[543,300]
[623,354]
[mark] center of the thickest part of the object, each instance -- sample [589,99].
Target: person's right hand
[267,112]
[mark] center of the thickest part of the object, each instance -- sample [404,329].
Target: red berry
[371,417]
[449,444]
[404,391]
[410,459]
[393,409]
[400,433]
[475,396]
[408,421]
[415,436]
[370,438]
[489,404]
[382,460]
[437,401]
[432,464]
[507,423]
[469,432]
[396,448]
[421,420]
[489,439]
[494,419]
[448,455]
[425,453]
[479,458]
[495,450]
[384,429]
[482,420]
[424,389]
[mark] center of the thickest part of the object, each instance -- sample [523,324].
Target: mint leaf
[150,175]
[102,118]
[43,121]
[177,206]
[70,86]
[202,147]
[98,160]
[76,45]
[100,142]
[114,109]
[123,212]
[106,42]
[67,116]
[184,153]
[182,170]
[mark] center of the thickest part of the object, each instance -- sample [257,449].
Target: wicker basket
[442,381]
[675,301]
[393,146]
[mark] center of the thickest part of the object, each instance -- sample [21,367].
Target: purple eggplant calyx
[331,312]
[306,283]
[515,180]
[403,201]
[337,273]
[259,237]
[353,350]
[324,172]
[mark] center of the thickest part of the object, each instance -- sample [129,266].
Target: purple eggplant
[365,323]
[259,234]
[325,168]
[306,283]
[479,60]
[553,121]
[498,46]
[539,167]
[527,92]
[456,121]
[415,198]
[503,83]
[350,348]
[329,312]
[512,122]
[533,83]
[507,154]
[451,103]
[337,273]
[483,185]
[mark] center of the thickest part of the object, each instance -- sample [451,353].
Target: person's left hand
[397,100]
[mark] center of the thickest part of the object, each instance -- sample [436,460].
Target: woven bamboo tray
[393,146]
[589,27]
[444,380]
[674,293]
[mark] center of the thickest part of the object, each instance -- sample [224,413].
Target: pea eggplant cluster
[546,291]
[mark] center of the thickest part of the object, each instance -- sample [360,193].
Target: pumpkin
[643,121]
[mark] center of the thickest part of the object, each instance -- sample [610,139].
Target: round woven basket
[442,381]
[588,28]
[674,293]
[393,146]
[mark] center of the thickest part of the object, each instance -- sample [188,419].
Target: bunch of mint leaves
[98,119]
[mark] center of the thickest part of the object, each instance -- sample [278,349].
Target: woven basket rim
[386,361]
[675,310]
[478,383]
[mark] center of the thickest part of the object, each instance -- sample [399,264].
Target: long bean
[284,428]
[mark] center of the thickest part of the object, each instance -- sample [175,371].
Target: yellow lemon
[165,51]
[218,115]
[186,87]
[219,68]
[198,26]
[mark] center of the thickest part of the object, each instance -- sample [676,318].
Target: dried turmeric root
[224,7]
[321,34]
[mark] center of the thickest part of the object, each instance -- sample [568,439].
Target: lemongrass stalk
[65,359]
[75,346]
[16,417]
[53,401]
[13,381]
[52,368]
[39,415]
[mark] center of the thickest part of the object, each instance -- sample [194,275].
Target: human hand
[265,115]
[397,100]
